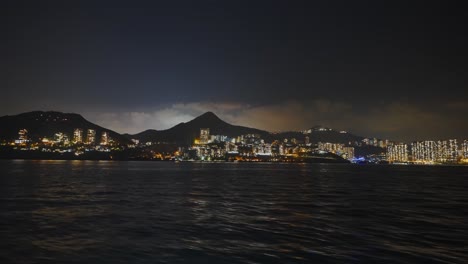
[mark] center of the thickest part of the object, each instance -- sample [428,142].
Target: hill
[185,133]
[45,124]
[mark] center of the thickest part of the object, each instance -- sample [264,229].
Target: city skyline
[46,135]
[78,132]
[377,69]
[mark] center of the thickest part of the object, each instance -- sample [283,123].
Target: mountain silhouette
[45,124]
[186,133]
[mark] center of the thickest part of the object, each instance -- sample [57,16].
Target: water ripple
[149,212]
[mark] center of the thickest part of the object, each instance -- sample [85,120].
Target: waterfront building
[465,149]
[91,136]
[397,153]
[104,138]
[78,136]
[425,151]
[430,151]
[348,153]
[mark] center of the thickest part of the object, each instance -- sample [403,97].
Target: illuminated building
[366,141]
[78,136]
[447,150]
[219,138]
[382,144]
[331,147]
[397,153]
[281,150]
[104,138]
[337,148]
[204,135]
[263,150]
[465,149]
[91,136]
[61,138]
[425,151]
[441,150]
[348,153]
[376,142]
[307,140]
[22,136]
[431,151]
[231,147]
[452,150]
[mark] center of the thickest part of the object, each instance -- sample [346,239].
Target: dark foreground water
[155,212]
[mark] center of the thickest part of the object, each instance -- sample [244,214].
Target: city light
[250,147]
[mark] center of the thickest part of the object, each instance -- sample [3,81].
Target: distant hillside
[185,133]
[45,124]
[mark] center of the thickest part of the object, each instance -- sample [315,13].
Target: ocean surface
[163,212]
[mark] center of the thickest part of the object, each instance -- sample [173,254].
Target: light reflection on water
[147,212]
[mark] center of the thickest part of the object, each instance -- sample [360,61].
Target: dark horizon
[385,70]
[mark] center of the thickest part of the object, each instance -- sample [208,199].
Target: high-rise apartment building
[204,135]
[78,136]
[91,136]
[104,138]
[397,153]
[465,149]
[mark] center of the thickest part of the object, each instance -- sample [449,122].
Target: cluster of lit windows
[337,148]
[465,149]
[432,151]
[397,153]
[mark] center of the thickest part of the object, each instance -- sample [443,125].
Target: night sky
[388,70]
